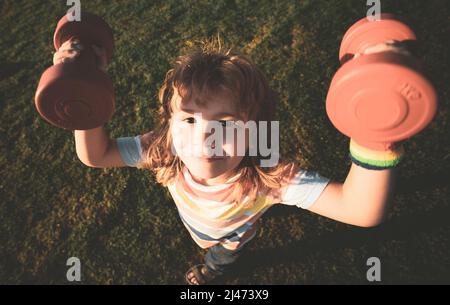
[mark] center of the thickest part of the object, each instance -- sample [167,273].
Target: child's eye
[224,123]
[190,120]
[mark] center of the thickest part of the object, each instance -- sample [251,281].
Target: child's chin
[205,173]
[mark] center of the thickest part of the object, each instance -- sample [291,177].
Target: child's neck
[216,180]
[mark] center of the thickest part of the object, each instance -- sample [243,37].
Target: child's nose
[207,128]
[209,135]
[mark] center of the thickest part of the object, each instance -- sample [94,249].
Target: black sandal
[202,278]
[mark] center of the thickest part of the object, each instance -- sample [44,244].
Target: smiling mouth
[211,159]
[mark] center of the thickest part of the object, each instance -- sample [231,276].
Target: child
[220,199]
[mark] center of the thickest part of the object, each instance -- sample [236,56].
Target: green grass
[124,227]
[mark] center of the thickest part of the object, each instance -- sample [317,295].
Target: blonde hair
[202,73]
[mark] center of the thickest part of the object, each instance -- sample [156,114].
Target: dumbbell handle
[87,57]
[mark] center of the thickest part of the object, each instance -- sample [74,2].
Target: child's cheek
[183,139]
[235,145]
[178,137]
[230,146]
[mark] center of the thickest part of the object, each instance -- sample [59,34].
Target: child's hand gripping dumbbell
[72,48]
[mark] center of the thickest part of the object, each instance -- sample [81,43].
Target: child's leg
[220,259]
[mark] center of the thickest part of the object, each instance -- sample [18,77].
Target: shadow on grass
[398,228]
[424,181]
[11,68]
[351,237]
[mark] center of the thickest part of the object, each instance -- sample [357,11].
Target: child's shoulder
[286,174]
[147,138]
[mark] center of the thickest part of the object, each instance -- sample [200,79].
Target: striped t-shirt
[209,212]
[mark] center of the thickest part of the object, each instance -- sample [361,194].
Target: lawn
[124,227]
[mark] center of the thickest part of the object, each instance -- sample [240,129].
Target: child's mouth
[211,159]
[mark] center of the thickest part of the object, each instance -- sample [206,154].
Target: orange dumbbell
[78,95]
[380,94]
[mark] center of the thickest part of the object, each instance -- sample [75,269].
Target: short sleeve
[130,150]
[304,189]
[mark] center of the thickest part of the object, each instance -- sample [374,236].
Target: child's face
[189,134]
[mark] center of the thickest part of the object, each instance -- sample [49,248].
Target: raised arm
[95,149]
[361,200]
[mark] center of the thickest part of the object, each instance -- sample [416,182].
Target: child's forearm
[91,144]
[366,193]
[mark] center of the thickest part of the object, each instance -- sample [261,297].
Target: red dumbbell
[379,95]
[78,95]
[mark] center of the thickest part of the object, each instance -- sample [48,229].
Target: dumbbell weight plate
[74,97]
[380,98]
[365,33]
[91,29]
